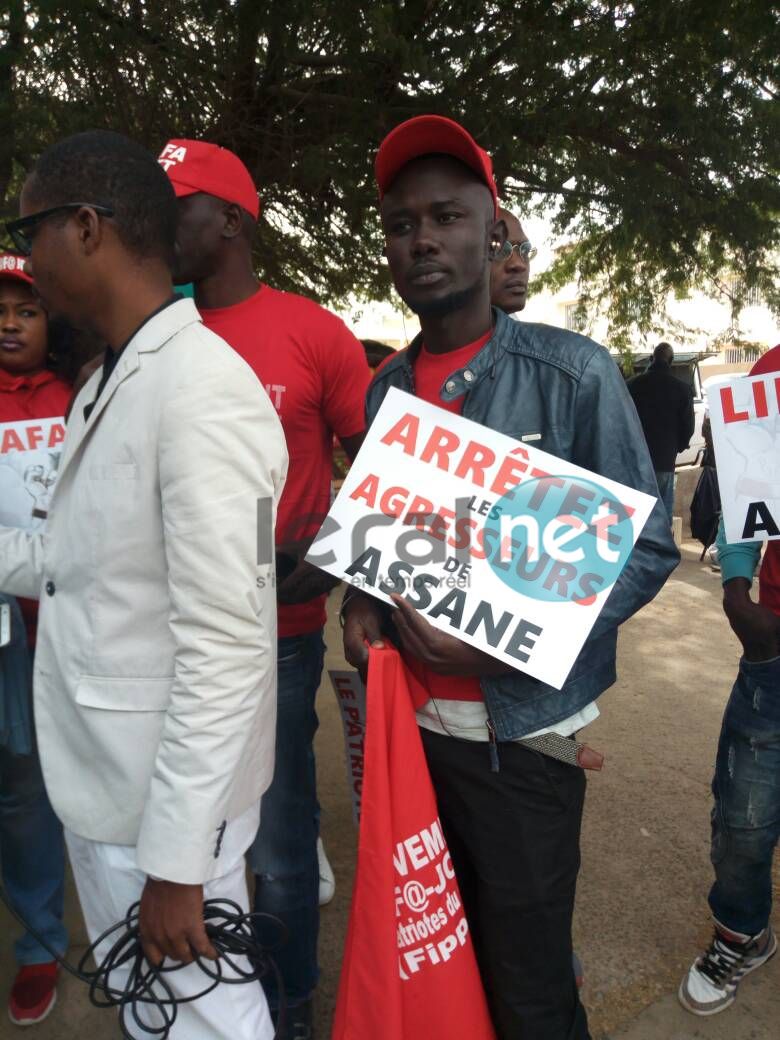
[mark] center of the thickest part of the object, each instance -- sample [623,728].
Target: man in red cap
[511,808]
[316,375]
[197,167]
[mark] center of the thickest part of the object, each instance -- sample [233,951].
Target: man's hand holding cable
[756,627]
[171,923]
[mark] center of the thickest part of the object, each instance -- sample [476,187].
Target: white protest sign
[500,544]
[745,419]
[30,452]
[350,692]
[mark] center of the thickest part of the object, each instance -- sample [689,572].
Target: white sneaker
[711,983]
[327,880]
[712,552]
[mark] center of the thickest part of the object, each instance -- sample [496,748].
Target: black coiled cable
[230,932]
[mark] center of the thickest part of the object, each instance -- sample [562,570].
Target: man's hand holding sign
[440,652]
[496,555]
[437,650]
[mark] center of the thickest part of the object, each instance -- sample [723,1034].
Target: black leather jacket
[533,380]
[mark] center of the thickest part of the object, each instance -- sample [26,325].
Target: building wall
[706,321]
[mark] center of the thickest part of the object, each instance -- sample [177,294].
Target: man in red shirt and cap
[316,375]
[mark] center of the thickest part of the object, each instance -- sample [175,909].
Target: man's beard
[445,305]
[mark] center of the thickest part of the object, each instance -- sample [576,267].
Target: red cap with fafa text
[428,135]
[12,266]
[195,166]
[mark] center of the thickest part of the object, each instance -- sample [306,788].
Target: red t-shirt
[41,396]
[769,575]
[430,374]
[316,375]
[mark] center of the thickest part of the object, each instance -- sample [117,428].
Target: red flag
[409,970]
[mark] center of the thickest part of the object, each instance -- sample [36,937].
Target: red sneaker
[33,994]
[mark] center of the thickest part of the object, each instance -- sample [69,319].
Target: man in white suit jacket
[155,669]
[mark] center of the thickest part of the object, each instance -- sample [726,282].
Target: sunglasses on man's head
[22,231]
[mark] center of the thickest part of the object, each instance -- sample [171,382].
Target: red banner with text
[409,970]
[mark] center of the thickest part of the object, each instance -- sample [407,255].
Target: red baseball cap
[195,166]
[12,266]
[426,135]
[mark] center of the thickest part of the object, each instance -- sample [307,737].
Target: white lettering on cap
[12,263]
[171,155]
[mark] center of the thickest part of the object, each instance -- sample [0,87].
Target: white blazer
[155,669]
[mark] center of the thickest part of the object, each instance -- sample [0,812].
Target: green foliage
[647,131]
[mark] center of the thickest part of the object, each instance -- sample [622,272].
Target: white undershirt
[467,720]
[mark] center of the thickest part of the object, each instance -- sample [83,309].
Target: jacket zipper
[492,745]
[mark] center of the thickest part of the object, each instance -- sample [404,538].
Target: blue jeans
[746,816]
[32,855]
[666,490]
[283,857]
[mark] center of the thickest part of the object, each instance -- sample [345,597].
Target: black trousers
[514,837]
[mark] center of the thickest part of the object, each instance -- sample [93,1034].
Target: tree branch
[10,54]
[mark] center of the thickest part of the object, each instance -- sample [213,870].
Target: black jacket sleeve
[686,419]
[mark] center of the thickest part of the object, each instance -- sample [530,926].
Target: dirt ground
[641,911]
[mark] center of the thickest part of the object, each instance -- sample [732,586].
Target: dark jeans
[283,857]
[666,490]
[32,855]
[746,816]
[514,839]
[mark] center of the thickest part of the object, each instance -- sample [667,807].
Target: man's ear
[89,230]
[499,233]
[232,220]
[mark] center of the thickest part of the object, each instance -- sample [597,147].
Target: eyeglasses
[22,231]
[524,250]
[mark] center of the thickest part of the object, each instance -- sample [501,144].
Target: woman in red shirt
[29,388]
[32,857]
[29,347]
